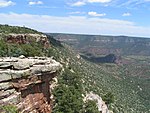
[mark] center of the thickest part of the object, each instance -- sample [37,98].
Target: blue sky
[108,17]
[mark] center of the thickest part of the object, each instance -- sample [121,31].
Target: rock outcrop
[102,107]
[25,82]
[28,38]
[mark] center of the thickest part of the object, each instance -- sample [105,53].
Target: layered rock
[28,38]
[25,82]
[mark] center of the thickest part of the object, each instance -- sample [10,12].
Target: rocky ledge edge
[25,82]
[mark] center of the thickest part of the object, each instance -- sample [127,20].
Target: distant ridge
[104,45]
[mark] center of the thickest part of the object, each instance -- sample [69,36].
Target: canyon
[103,45]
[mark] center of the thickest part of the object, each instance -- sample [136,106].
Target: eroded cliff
[28,38]
[25,83]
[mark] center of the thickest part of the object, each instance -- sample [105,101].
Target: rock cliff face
[102,107]
[25,83]
[28,38]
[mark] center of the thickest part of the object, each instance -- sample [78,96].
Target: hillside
[129,82]
[6,29]
[124,88]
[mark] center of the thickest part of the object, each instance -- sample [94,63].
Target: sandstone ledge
[25,82]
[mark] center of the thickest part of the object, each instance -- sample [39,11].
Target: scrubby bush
[108,98]
[28,50]
[91,107]
[9,109]
[68,95]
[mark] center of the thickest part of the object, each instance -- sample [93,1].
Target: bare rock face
[102,107]
[28,38]
[25,83]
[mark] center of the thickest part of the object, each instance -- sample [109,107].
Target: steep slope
[131,93]
[129,82]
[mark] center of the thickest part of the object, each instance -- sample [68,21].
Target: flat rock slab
[13,68]
[5,85]
[7,75]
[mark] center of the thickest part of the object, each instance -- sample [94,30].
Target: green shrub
[3,48]
[15,29]
[15,50]
[91,107]
[108,98]
[9,109]
[68,95]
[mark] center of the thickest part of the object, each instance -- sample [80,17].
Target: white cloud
[35,3]
[133,3]
[84,2]
[75,24]
[126,14]
[78,3]
[99,1]
[76,12]
[5,3]
[92,13]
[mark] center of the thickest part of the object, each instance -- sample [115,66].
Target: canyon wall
[26,82]
[28,38]
[104,45]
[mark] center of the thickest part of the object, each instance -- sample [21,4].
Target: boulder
[21,56]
